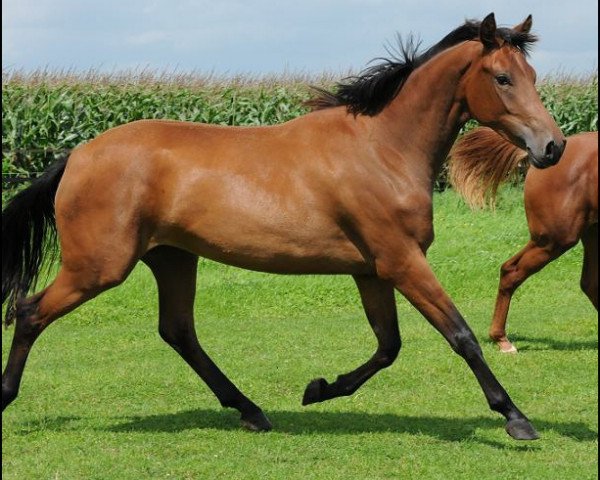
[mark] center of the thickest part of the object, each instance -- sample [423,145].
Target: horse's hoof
[507,347]
[521,429]
[315,391]
[256,422]
[504,345]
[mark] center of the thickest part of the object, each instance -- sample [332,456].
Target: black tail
[28,227]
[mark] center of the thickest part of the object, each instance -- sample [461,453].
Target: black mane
[370,91]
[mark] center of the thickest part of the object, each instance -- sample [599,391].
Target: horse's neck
[423,121]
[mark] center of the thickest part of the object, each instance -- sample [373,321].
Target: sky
[268,37]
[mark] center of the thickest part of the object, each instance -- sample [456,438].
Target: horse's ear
[525,26]
[487,32]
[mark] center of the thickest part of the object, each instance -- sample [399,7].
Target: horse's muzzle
[551,156]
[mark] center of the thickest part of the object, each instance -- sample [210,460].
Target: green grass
[103,397]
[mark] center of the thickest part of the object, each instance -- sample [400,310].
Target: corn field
[45,114]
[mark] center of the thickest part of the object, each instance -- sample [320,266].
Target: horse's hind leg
[589,274]
[380,306]
[513,273]
[175,273]
[35,313]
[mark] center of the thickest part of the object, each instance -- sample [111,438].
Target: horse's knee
[168,334]
[172,333]
[386,356]
[465,344]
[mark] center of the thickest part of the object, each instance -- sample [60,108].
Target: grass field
[104,398]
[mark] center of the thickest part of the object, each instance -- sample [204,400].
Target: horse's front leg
[379,303]
[414,278]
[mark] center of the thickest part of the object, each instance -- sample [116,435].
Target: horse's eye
[503,79]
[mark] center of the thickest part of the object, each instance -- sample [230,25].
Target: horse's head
[500,93]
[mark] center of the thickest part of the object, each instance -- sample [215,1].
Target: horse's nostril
[550,148]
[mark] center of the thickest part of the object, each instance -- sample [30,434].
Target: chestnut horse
[345,189]
[561,204]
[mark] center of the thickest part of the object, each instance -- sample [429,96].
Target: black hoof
[521,429]
[256,422]
[315,391]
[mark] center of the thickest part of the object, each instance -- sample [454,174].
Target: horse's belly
[299,248]
[287,262]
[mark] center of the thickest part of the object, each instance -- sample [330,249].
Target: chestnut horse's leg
[175,273]
[414,278]
[589,274]
[35,313]
[513,273]
[380,306]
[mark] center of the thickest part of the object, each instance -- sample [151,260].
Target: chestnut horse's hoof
[256,422]
[521,429]
[315,391]
[503,343]
[506,347]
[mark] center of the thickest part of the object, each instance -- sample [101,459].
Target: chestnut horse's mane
[370,91]
[479,162]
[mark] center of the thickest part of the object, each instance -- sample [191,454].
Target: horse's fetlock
[347,389]
[499,403]
[343,385]
[496,336]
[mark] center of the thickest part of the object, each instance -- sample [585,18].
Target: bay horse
[344,189]
[561,205]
